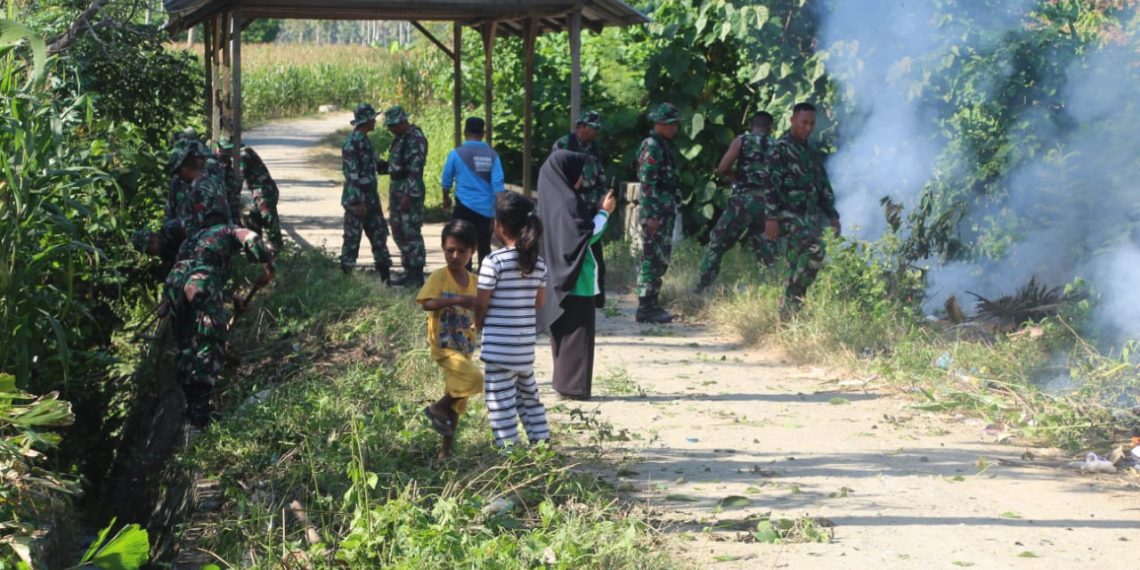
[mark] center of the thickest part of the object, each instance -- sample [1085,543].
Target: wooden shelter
[224,19]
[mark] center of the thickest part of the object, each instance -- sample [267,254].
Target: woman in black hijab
[571,225]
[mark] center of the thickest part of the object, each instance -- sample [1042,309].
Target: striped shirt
[508,328]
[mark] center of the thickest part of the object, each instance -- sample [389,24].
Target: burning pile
[1032,302]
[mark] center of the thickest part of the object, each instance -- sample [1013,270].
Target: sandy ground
[708,419]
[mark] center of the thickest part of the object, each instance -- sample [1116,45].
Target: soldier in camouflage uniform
[582,139]
[745,211]
[194,290]
[194,294]
[660,195]
[196,185]
[263,218]
[406,159]
[360,199]
[799,195]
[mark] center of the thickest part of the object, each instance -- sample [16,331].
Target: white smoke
[1067,208]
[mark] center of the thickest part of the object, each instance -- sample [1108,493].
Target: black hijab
[567,225]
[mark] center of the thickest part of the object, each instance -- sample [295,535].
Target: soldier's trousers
[407,230]
[200,329]
[265,219]
[373,225]
[655,250]
[804,256]
[745,213]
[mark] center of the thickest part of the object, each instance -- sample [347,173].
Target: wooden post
[235,90]
[575,65]
[489,30]
[208,64]
[219,78]
[528,110]
[457,96]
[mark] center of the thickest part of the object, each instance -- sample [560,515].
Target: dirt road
[720,432]
[730,432]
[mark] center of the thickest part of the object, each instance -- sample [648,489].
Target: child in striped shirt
[512,284]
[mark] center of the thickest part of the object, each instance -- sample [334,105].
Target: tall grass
[71,187]
[291,80]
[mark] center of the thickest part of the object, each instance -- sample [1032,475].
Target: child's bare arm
[540,298]
[465,301]
[482,301]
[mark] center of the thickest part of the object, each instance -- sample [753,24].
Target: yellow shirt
[450,328]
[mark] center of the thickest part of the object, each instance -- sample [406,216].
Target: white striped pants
[510,396]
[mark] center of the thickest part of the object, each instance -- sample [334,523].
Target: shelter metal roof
[510,14]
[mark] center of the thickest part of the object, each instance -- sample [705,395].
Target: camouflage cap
[665,113]
[363,113]
[182,150]
[395,115]
[590,119]
[140,239]
[225,143]
[187,134]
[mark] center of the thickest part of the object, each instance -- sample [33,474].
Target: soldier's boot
[648,311]
[414,278]
[385,272]
[704,284]
[790,306]
[346,268]
[199,411]
[399,281]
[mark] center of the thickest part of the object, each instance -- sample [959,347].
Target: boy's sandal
[441,425]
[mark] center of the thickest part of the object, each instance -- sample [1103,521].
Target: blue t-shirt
[477,174]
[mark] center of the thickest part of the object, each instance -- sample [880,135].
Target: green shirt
[587,283]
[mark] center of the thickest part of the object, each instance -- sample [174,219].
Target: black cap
[473,126]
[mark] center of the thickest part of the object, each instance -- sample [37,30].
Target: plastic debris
[1094,463]
[944,361]
[498,507]
[691,439]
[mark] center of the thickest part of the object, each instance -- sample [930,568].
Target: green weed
[617,381]
[855,318]
[341,433]
[784,531]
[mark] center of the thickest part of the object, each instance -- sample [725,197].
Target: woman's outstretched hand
[609,203]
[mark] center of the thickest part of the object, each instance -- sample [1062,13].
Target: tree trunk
[77,28]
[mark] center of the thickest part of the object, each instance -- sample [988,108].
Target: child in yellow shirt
[449,295]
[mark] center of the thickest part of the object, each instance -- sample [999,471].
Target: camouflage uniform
[593,173]
[265,196]
[745,211]
[660,194]
[800,193]
[221,165]
[406,159]
[263,189]
[194,290]
[189,202]
[360,188]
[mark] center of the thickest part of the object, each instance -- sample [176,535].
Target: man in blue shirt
[477,173]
